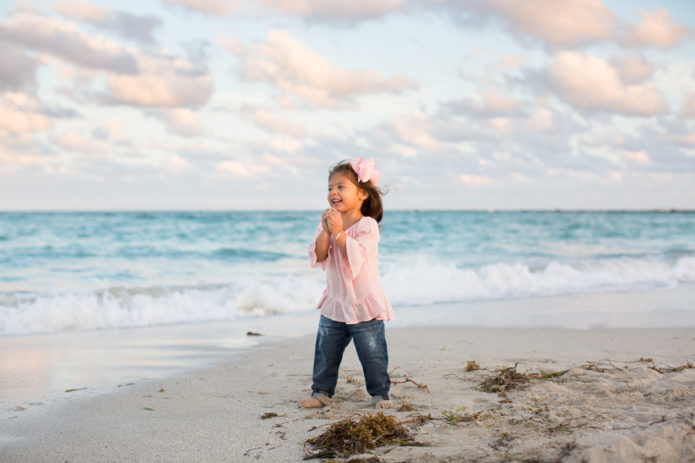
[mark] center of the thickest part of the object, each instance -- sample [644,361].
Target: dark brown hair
[372,206]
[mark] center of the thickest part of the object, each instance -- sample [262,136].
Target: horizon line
[492,209]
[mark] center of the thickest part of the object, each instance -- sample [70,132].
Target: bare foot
[310,402]
[384,404]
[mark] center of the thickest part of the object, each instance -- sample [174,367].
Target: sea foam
[413,281]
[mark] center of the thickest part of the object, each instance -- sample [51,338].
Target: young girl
[353,305]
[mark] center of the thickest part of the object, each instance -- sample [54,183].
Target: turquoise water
[82,271]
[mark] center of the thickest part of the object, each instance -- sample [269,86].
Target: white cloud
[19,114]
[475,180]
[85,11]
[134,78]
[285,145]
[657,29]
[66,41]
[273,124]
[211,7]
[684,140]
[591,83]
[292,66]
[238,169]
[13,161]
[175,164]
[180,121]
[632,69]
[415,130]
[126,25]
[688,108]
[162,82]
[74,141]
[558,23]
[490,103]
[570,23]
[311,10]
[335,11]
[640,156]
[17,70]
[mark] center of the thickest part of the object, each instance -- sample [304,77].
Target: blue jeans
[370,342]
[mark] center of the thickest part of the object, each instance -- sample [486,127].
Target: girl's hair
[372,206]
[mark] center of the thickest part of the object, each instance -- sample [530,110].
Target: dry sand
[609,406]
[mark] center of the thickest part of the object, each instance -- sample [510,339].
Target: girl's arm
[334,223]
[324,239]
[322,242]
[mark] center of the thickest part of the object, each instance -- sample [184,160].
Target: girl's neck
[351,218]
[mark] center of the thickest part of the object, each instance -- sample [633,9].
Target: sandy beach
[622,398]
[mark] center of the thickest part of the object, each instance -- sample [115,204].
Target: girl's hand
[324,220]
[334,221]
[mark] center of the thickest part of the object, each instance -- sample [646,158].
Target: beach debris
[662,368]
[162,390]
[506,379]
[669,369]
[127,384]
[148,409]
[352,436]
[547,374]
[252,333]
[406,407]
[472,365]
[502,441]
[76,389]
[410,380]
[455,417]
[269,415]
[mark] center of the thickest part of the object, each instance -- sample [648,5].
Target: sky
[463,104]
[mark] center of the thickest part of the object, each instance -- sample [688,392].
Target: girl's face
[343,195]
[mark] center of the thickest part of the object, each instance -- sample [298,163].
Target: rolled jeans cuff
[322,397]
[379,398]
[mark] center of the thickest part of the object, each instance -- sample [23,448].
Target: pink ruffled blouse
[353,291]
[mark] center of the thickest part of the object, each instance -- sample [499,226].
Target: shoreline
[214,414]
[39,368]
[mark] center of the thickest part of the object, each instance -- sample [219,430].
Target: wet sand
[620,400]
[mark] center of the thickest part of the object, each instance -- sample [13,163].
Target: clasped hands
[332,221]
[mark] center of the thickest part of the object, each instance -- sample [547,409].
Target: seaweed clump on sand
[507,379]
[353,436]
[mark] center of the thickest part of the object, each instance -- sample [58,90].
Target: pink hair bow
[366,170]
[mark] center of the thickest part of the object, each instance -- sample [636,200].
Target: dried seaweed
[353,436]
[507,379]
[76,389]
[455,417]
[472,365]
[422,386]
[547,374]
[670,369]
[406,407]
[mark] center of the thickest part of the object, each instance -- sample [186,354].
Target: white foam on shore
[417,281]
[425,282]
[141,307]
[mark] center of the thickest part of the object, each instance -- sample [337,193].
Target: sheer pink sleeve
[312,251]
[360,246]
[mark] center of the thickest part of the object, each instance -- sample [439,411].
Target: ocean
[92,301]
[76,271]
